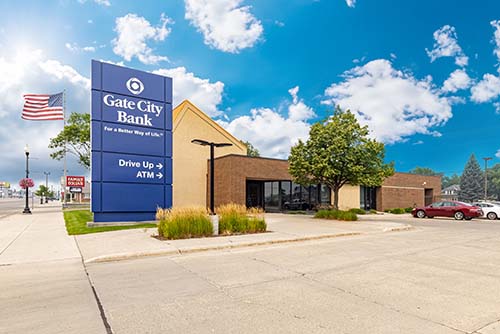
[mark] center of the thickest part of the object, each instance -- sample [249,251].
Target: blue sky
[423,75]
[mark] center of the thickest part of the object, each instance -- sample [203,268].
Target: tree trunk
[336,198]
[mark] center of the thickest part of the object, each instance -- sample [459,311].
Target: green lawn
[76,223]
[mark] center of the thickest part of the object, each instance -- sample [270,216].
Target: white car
[490,210]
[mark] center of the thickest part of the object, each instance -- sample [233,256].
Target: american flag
[43,107]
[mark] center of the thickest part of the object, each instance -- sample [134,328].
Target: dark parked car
[296,204]
[458,210]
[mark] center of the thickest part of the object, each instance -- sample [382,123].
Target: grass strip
[76,223]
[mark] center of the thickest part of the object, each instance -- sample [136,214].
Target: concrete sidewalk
[283,228]
[45,288]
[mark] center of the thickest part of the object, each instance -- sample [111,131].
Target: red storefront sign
[75,181]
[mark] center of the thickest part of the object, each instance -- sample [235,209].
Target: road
[13,205]
[441,277]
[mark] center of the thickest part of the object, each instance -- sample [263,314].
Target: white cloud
[225,24]
[106,3]
[351,3]
[270,132]
[298,110]
[204,94]
[446,45]
[64,72]
[487,89]
[73,47]
[496,24]
[497,107]
[103,2]
[393,104]
[133,33]
[30,71]
[459,79]
[497,154]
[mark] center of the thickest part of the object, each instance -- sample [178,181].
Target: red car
[458,210]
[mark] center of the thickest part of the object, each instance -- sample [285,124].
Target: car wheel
[491,216]
[459,215]
[420,214]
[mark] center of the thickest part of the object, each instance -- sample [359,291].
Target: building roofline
[179,112]
[248,157]
[407,173]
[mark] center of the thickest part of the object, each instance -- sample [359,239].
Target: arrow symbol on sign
[160,175]
[159,166]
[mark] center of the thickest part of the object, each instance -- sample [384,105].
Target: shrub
[182,223]
[396,211]
[358,211]
[408,210]
[235,218]
[373,211]
[336,214]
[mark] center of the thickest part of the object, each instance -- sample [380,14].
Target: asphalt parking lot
[443,276]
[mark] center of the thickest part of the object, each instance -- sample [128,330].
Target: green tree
[44,191]
[337,152]
[251,150]
[424,171]
[74,139]
[494,181]
[471,182]
[447,181]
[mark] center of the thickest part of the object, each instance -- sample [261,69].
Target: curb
[182,251]
[399,229]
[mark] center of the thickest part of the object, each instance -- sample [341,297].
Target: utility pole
[486,177]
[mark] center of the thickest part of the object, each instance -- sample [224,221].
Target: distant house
[451,192]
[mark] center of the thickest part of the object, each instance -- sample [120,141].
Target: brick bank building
[266,182]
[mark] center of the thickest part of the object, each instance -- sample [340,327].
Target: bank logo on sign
[135,86]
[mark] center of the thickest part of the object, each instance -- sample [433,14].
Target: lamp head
[200,142]
[26,149]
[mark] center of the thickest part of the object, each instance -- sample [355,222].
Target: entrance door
[272,196]
[368,198]
[255,194]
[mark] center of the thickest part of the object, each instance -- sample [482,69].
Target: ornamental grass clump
[337,215]
[235,219]
[183,223]
[358,211]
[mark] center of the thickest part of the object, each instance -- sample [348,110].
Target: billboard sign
[131,135]
[4,184]
[75,181]
[75,190]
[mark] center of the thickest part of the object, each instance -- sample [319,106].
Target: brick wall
[232,172]
[405,190]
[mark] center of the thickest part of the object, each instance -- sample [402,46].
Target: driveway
[441,277]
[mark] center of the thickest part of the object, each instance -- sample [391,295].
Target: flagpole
[64,126]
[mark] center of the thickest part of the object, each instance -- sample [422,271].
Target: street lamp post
[486,177]
[46,185]
[26,207]
[212,153]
